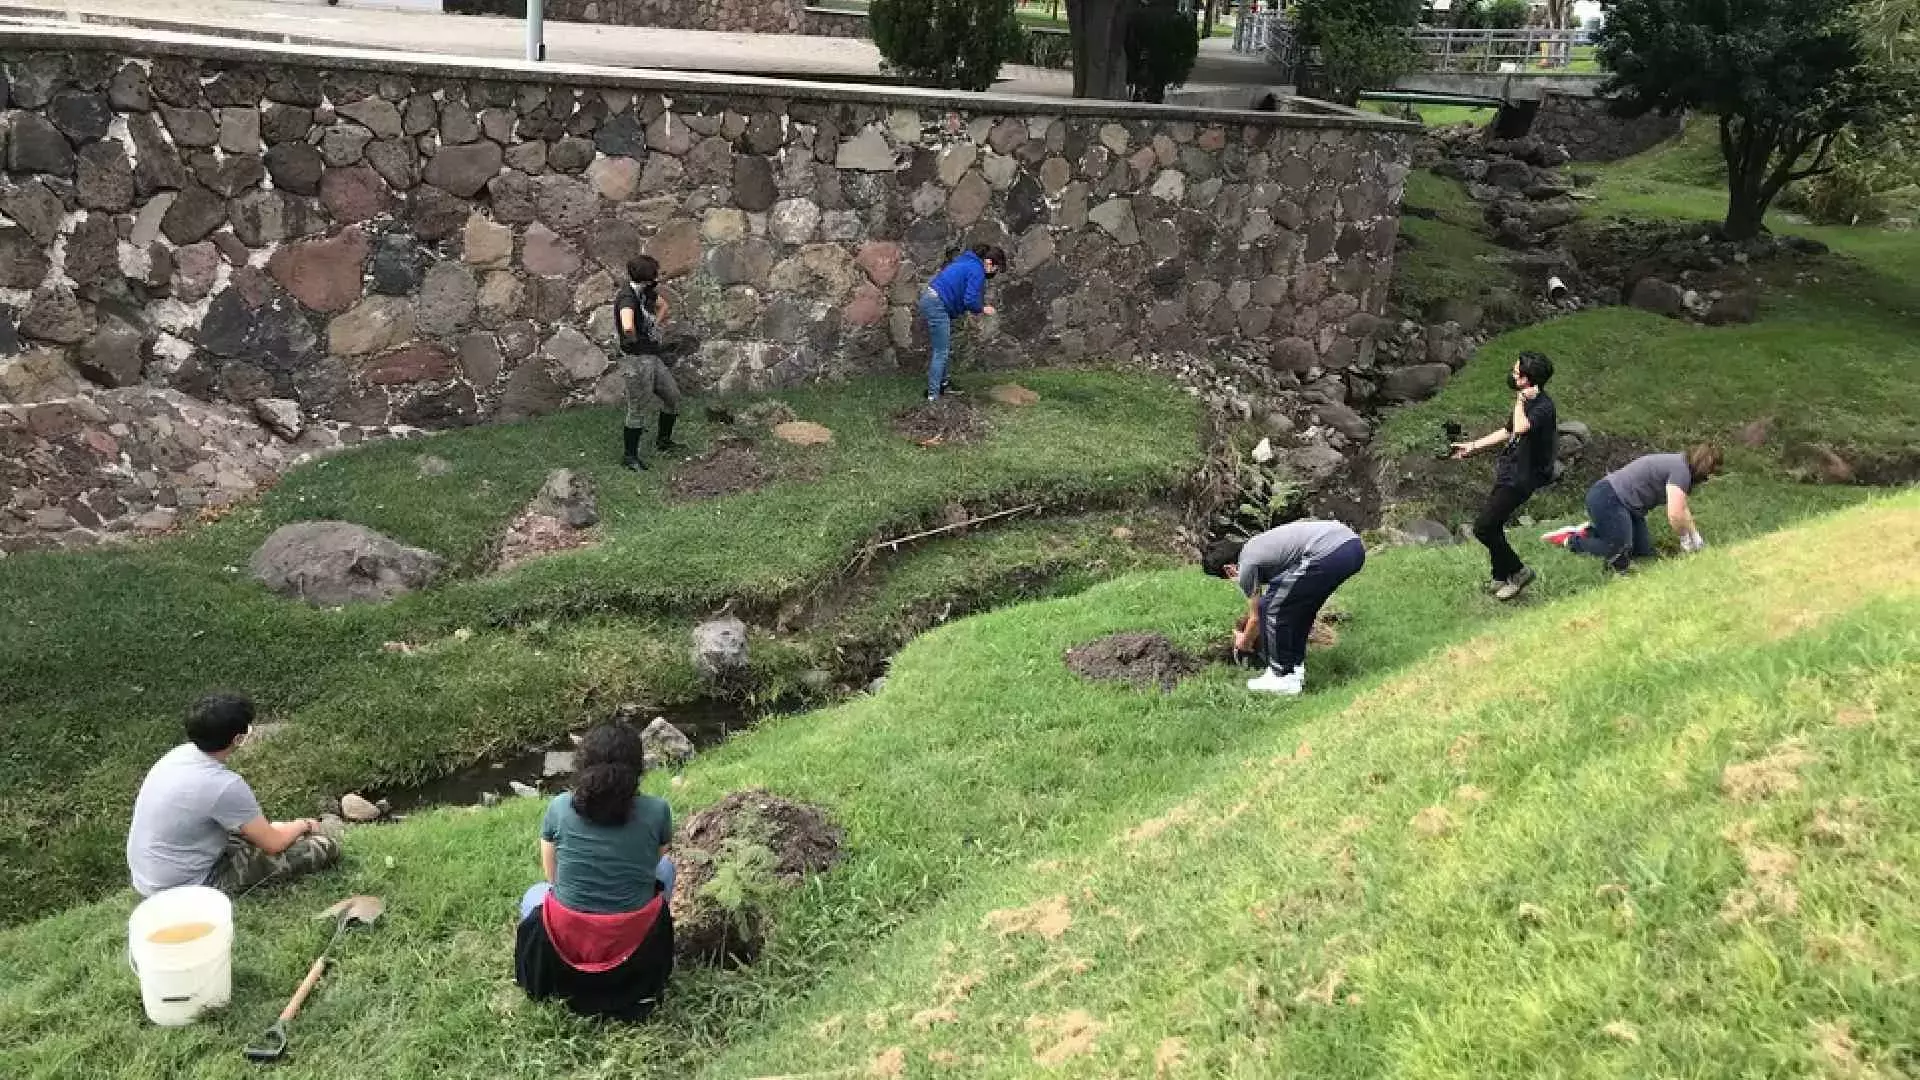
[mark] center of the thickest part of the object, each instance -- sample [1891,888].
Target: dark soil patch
[940,423]
[1144,660]
[759,838]
[731,467]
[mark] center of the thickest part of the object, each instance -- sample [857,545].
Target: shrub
[1358,43]
[1162,43]
[952,44]
[1046,48]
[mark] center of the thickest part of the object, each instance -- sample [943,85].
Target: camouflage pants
[243,866]
[648,378]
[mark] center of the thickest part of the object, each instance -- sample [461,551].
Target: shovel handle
[299,998]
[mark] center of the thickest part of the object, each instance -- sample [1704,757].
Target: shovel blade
[272,1046]
[361,909]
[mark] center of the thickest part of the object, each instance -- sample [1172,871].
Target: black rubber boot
[665,443]
[631,438]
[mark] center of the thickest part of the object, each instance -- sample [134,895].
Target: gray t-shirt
[188,805]
[1268,555]
[1642,482]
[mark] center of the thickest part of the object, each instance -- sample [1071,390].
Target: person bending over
[646,351]
[1618,504]
[598,930]
[959,289]
[196,822]
[1287,574]
[1525,465]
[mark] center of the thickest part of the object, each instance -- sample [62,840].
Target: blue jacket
[962,285]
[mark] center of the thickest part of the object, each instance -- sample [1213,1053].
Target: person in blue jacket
[958,289]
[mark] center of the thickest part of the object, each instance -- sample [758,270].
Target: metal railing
[1268,33]
[1484,51]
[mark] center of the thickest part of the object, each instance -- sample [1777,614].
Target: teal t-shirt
[606,870]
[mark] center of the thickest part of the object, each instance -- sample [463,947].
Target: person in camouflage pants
[243,867]
[646,349]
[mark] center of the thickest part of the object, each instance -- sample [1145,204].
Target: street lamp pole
[536,19]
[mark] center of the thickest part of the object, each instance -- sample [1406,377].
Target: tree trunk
[1099,29]
[1206,23]
[1746,151]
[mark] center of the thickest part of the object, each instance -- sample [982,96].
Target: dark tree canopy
[955,44]
[1783,78]
[1355,45]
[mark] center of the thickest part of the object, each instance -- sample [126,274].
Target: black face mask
[1513,381]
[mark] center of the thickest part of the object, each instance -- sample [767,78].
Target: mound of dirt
[940,423]
[1144,660]
[533,535]
[760,841]
[731,467]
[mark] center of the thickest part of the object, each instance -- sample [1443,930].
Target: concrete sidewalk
[824,58]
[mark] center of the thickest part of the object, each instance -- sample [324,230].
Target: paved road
[460,35]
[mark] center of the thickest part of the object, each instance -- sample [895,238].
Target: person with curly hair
[598,931]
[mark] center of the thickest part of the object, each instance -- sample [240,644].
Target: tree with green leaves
[953,44]
[1782,78]
[1355,45]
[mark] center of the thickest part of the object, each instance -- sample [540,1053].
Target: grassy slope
[1833,359]
[105,648]
[985,778]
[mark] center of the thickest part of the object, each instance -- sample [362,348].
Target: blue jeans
[1619,534]
[940,336]
[536,894]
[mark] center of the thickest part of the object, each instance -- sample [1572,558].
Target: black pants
[1294,598]
[1490,528]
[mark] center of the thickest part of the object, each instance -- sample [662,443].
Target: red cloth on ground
[595,943]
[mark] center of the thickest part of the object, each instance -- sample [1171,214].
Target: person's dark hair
[1220,555]
[990,253]
[1536,367]
[606,774]
[643,268]
[1703,462]
[217,720]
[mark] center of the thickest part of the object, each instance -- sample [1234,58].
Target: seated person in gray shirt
[1619,502]
[1287,574]
[196,821]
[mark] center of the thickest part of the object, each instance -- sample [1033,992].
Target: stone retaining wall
[737,16]
[431,243]
[1591,133]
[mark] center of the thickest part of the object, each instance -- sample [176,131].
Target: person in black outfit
[639,313]
[1525,464]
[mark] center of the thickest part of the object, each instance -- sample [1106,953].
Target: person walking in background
[597,929]
[1619,502]
[196,822]
[959,289]
[1287,574]
[1526,463]
[640,314]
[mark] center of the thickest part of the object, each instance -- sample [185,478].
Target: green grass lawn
[106,648]
[1242,887]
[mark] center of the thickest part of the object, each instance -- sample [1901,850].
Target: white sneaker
[1272,682]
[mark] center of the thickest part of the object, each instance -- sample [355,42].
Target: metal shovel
[353,911]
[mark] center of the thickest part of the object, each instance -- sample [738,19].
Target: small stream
[708,722]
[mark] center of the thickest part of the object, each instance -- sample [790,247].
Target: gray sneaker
[1515,585]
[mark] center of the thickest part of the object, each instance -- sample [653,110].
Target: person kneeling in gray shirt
[196,822]
[1287,574]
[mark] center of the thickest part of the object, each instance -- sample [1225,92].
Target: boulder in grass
[720,647]
[331,563]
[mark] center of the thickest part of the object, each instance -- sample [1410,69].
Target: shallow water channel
[708,722]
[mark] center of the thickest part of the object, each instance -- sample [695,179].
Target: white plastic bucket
[181,978]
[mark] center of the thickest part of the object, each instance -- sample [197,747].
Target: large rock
[665,745]
[330,563]
[324,275]
[36,146]
[720,648]
[569,497]
[1416,383]
[1661,297]
[464,170]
